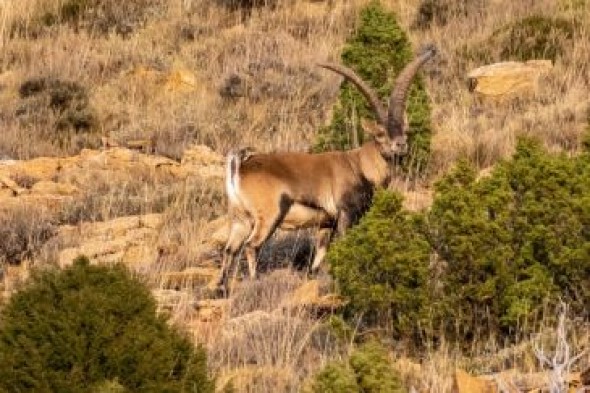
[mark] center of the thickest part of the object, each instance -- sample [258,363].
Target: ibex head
[389,129]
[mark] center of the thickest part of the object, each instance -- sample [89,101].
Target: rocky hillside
[115,120]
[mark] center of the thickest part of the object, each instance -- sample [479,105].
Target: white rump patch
[232,179]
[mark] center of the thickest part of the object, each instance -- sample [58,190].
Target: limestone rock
[211,309]
[508,78]
[47,187]
[463,382]
[309,296]
[203,162]
[170,300]
[190,277]
[130,240]
[53,178]
[9,184]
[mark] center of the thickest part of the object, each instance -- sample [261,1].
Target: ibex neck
[371,163]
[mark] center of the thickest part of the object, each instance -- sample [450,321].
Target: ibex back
[329,191]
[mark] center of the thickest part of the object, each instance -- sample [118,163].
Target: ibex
[329,191]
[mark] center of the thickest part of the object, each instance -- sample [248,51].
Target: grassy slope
[132,89]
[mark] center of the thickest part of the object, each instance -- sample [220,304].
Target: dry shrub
[23,231]
[42,114]
[100,17]
[441,12]
[183,236]
[104,199]
[264,294]
[260,344]
[67,101]
[24,180]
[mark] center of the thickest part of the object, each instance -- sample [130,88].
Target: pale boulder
[463,382]
[202,161]
[129,240]
[508,78]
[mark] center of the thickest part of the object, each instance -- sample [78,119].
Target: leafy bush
[377,52]
[534,37]
[367,370]
[91,328]
[382,266]
[513,240]
[507,244]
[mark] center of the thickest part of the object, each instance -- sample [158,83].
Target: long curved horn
[369,93]
[397,100]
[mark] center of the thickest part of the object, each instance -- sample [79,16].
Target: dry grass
[485,132]
[23,231]
[259,336]
[201,73]
[104,198]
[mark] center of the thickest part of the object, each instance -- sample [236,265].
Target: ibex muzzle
[329,191]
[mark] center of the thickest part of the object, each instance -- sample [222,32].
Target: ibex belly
[301,216]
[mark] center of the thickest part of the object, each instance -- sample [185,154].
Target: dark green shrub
[378,51]
[90,328]
[507,245]
[513,241]
[368,370]
[381,265]
[534,37]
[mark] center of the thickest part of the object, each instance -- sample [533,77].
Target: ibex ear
[373,128]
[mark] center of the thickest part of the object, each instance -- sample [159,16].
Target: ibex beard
[328,191]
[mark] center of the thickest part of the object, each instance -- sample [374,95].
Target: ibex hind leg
[239,232]
[265,225]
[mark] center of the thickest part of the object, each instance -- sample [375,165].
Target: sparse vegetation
[95,16]
[236,73]
[533,37]
[59,110]
[91,326]
[441,12]
[23,231]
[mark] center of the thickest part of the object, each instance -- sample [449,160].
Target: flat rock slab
[508,78]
